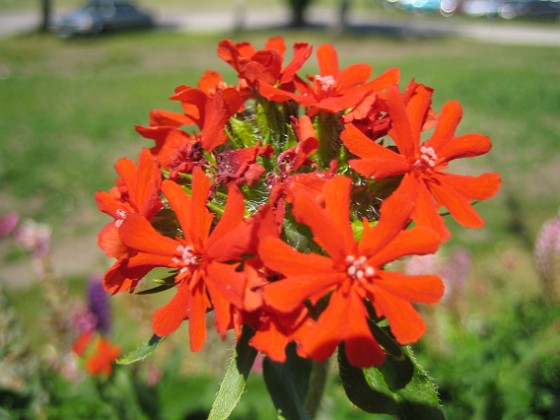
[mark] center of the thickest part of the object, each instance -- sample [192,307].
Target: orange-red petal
[468,145]
[362,350]
[416,241]
[329,330]
[458,205]
[288,294]
[328,60]
[404,321]
[401,130]
[417,109]
[282,258]
[181,203]
[449,119]
[169,317]
[137,233]
[395,215]
[479,187]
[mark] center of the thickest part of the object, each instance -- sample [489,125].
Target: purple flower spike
[98,304]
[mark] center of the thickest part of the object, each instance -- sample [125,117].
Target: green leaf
[161,288]
[400,387]
[141,352]
[287,384]
[383,337]
[233,384]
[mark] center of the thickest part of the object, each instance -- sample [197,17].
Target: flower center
[358,269]
[326,82]
[427,159]
[187,259]
[121,216]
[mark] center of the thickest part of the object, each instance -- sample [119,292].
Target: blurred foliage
[504,367]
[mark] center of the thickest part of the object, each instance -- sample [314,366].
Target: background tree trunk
[298,12]
[46,12]
[343,7]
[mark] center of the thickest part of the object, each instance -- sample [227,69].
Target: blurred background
[76,77]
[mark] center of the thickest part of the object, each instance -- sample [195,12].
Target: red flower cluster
[99,359]
[279,202]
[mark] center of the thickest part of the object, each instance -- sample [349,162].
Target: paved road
[225,21]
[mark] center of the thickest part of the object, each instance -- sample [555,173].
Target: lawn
[68,111]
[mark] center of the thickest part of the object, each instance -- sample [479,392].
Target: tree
[46,12]
[298,12]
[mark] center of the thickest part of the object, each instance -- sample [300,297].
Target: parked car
[532,9]
[100,16]
[487,8]
[420,6]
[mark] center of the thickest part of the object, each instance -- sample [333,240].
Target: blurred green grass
[68,110]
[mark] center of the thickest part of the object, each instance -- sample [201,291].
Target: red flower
[82,342]
[194,102]
[175,150]
[371,117]
[352,271]
[272,330]
[101,361]
[199,256]
[332,90]
[240,165]
[137,191]
[422,165]
[264,65]
[290,160]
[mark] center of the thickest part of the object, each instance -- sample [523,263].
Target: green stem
[328,131]
[275,122]
[316,387]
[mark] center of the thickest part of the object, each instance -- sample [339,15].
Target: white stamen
[358,269]
[326,82]
[350,259]
[121,214]
[428,158]
[188,258]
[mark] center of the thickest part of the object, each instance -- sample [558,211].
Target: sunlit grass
[69,108]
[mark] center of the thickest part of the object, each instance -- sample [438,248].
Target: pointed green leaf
[397,372]
[359,391]
[141,352]
[233,384]
[287,384]
[400,387]
[383,337]
[161,288]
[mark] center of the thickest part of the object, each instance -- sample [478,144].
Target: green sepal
[141,352]
[233,384]
[391,388]
[241,133]
[288,383]
[263,124]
